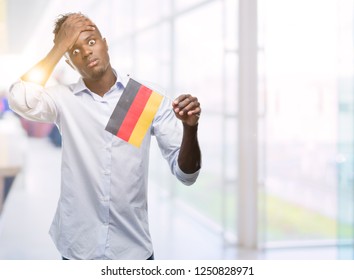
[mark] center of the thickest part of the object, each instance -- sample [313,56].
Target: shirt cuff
[186,178]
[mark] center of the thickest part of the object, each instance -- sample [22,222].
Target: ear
[105,42]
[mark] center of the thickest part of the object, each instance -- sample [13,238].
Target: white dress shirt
[102,209]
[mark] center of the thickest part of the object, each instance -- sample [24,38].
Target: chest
[85,110]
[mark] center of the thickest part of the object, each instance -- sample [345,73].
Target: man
[102,209]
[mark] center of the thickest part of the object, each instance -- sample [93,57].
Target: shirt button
[106,172]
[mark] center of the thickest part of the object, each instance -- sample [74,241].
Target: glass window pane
[230,85]
[119,19]
[300,139]
[199,53]
[185,4]
[148,12]
[121,55]
[201,68]
[153,57]
[345,160]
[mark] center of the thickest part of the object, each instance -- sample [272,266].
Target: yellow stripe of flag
[145,119]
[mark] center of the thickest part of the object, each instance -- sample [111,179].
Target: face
[89,56]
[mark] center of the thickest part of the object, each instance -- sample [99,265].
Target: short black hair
[61,19]
[59,22]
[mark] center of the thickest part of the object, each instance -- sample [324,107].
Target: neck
[103,84]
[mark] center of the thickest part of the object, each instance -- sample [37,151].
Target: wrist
[59,50]
[190,127]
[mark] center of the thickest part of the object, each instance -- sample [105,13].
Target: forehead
[86,35]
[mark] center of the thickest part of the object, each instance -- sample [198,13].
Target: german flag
[134,113]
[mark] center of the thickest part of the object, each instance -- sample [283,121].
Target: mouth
[92,63]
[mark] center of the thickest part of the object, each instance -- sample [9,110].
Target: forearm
[41,72]
[189,159]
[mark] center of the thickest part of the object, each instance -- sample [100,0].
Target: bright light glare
[36,76]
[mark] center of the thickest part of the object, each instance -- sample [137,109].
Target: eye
[75,52]
[91,42]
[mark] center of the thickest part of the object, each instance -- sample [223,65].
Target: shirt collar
[80,86]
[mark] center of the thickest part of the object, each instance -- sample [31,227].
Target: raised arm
[64,40]
[187,109]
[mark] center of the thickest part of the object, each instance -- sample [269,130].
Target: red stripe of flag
[134,112]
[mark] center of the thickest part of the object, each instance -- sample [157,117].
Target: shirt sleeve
[185,178]
[32,101]
[169,131]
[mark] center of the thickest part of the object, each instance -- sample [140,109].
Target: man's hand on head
[71,29]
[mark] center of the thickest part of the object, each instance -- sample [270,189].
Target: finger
[79,21]
[188,104]
[180,99]
[187,101]
[190,108]
[184,100]
[195,111]
[85,25]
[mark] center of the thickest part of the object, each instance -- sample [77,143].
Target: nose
[86,51]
